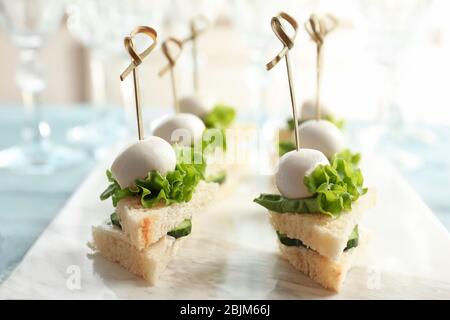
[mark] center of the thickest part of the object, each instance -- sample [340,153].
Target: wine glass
[100,26]
[29,23]
[391,26]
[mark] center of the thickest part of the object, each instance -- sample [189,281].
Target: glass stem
[31,81]
[98,78]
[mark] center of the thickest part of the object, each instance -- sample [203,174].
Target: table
[29,202]
[232,252]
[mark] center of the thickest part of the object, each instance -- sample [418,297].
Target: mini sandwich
[206,135]
[317,212]
[155,196]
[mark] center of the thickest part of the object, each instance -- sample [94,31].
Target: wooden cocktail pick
[288,43]
[136,60]
[317,29]
[198,25]
[172,59]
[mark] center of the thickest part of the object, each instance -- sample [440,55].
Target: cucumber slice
[289,241]
[115,220]
[182,230]
[219,178]
[353,241]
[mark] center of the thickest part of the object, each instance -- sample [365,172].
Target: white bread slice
[145,226]
[328,273]
[328,236]
[149,263]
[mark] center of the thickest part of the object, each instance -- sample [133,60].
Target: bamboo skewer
[198,25]
[172,59]
[288,43]
[136,60]
[317,30]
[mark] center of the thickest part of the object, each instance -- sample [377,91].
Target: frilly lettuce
[285,146]
[220,117]
[213,138]
[175,187]
[338,122]
[219,177]
[334,188]
[349,156]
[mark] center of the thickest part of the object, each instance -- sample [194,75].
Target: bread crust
[145,226]
[328,273]
[325,235]
[149,264]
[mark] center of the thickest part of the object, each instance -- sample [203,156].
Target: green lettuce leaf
[220,117]
[285,147]
[334,188]
[338,122]
[290,123]
[214,138]
[219,177]
[278,203]
[349,156]
[177,186]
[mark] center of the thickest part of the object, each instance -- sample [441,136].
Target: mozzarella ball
[308,110]
[182,128]
[321,135]
[293,167]
[196,104]
[137,160]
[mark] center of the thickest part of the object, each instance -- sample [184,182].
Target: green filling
[280,204]
[115,220]
[351,243]
[338,122]
[175,187]
[285,147]
[334,187]
[219,177]
[349,156]
[182,230]
[220,117]
[210,140]
[353,240]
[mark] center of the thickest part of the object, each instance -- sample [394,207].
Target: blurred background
[386,71]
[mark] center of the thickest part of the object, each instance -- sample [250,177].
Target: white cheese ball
[137,160]
[321,135]
[196,104]
[182,128]
[293,167]
[308,110]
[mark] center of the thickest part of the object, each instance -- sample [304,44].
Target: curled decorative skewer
[198,25]
[172,59]
[136,60]
[317,29]
[288,43]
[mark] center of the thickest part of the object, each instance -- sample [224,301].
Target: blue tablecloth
[29,202]
[421,154]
